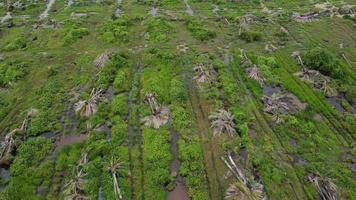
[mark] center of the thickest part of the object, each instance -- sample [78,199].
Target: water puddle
[70,139]
[269,90]
[180,191]
[188,10]
[336,102]
[50,4]
[294,143]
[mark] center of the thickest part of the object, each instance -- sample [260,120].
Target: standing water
[179,192]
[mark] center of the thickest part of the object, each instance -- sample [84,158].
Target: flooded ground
[269,90]
[70,139]
[336,102]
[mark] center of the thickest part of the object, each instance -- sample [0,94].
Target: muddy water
[336,103]
[189,10]
[4,175]
[50,3]
[180,191]
[269,90]
[70,139]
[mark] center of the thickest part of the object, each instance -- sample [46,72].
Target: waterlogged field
[177,99]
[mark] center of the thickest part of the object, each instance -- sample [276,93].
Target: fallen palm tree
[203,73]
[327,190]
[255,74]
[103,58]
[278,104]
[245,61]
[159,114]
[244,188]
[314,77]
[222,121]
[90,106]
[114,168]
[8,145]
[74,189]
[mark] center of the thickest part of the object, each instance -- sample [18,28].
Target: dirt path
[199,108]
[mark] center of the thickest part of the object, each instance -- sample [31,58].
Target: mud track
[212,175]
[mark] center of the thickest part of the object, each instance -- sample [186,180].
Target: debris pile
[159,114]
[222,121]
[314,77]
[277,104]
[203,73]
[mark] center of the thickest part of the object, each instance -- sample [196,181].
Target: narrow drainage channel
[138,129]
[131,133]
[180,191]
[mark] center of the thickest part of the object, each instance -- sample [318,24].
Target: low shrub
[11,72]
[251,36]
[200,31]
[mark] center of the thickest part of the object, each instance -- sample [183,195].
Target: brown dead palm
[159,114]
[89,106]
[222,121]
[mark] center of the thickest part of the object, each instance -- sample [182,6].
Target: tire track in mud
[203,128]
[138,128]
[131,133]
[252,98]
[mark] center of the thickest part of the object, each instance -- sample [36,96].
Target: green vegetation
[110,100]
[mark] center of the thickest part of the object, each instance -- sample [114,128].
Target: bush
[115,30]
[200,31]
[325,62]
[18,43]
[158,30]
[73,34]
[11,72]
[108,73]
[251,36]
